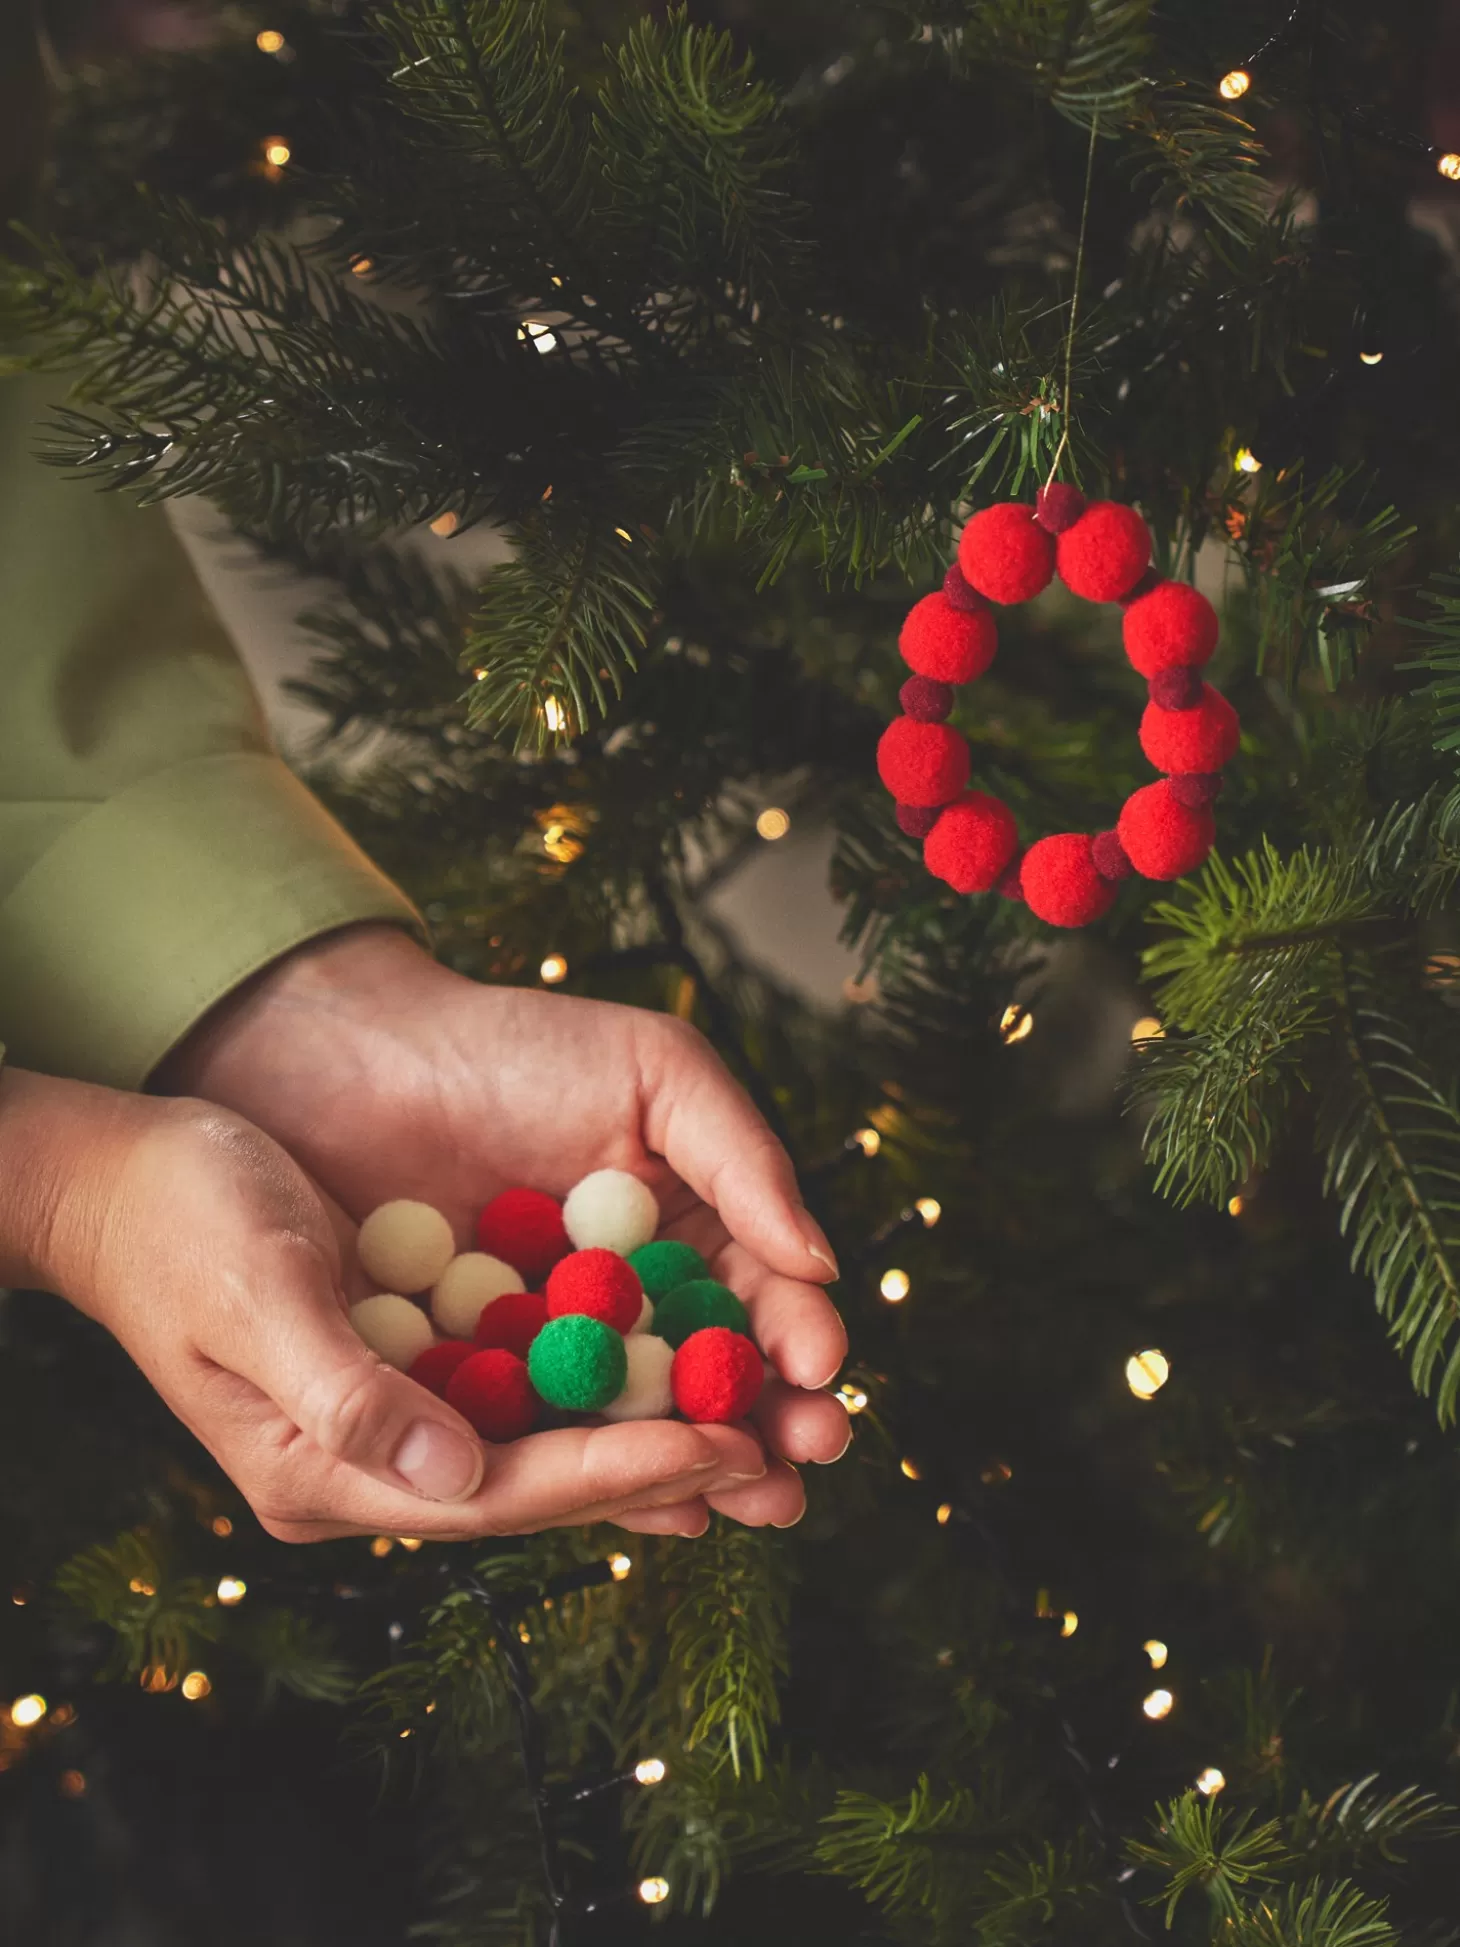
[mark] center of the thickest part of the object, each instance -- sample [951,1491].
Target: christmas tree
[1132,1607]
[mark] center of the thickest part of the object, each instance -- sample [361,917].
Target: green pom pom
[691,1307]
[578,1362]
[663,1266]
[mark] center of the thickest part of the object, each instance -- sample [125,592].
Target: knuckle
[344,1412]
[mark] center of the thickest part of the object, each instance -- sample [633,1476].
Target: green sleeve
[154,849]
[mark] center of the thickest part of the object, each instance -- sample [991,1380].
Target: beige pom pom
[646,1394]
[469,1282]
[610,1211]
[405,1246]
[645,1321]
[394,1329]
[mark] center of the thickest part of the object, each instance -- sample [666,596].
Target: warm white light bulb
[945,1513]
[852,1397]
[1159,1704]
[28,1710]
[1210,1782]
[1449,166]
[895,1286]
[1016,1023]
[654,1891]
[1148,1028]
[554,715]
[1147,1372]
[773,822]
[867,1140]
[269,41]
[232,1589]
[1157,1651]
[650,1771]
[196,1685]
[1069,1623]
[929,1209]
[276,151]
[535,332]
[553,970]
[1247,461]
[1234,85]
[620,1567]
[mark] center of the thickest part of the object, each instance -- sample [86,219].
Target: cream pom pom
[646,1394]
[645,1321]
[468,1283]
[610,1211]
[394,1329]
[405,1246]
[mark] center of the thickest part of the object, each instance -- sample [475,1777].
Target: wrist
[62,1145]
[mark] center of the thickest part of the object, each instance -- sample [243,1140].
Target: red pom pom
[972,842]
[917,820]
[952,645]
[599,1283]
[1203,739]
[925,699]
[437,1363]
[1061,885]
[716,1375]
[1058,506]
[1172,627]
[1176,689]
[1195,788]
[958,591]
[512,1321]
[525,1229]
[1105,553]
[1163,837]
[1004,554]
[492,1391]
[1111,860]
[922,763]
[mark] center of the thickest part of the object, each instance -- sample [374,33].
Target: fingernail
[799,1515]
[438,1462]
[815,1238]
[839,1456]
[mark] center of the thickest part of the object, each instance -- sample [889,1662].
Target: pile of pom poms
[566,1308]
[1101,550]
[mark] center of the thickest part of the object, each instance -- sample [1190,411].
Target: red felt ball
[1176,689]
[1058,506]
[917,820]
[1174,626]
[716,1375]
[437,1363]
[492,1390]
[525,1229]
[972,842]
[952,645]
[1203,739]
[1004,554]
[1105,553]
[958,591]
[1111,860]
[1060,882]
[512,1321]
[599,1283]
[1164,838]
[925,699]
[922,763]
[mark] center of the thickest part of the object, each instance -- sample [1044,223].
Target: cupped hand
[386,1075]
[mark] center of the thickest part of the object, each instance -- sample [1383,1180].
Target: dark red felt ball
[1010,885]
[437,1363]
[1176,689]
[922,763]
[512,1321]
[1058,506]
[972,843]
[716,1375]
[1105,553]
[956,588]
[917,820]
[1173,626]
[952,645]
[525,1229]
[1004,554]
[1061,884]
[599,1283]
[1163,837]
[1111,859]
[1203,739]
[1195,788]
[492,1391]
[925,699]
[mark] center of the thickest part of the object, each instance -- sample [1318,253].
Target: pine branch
[726,1641]
[155,1615]
[1313,1916]
[1199,1843]
[1362,1823]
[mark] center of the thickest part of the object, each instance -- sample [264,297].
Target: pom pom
[469,1282]
[1061,884]
[691,1307]
[578,1363]
[1176,689]
[958,591]
[1163,837]
[611,1211]
[972,843]
[647,1394]
[1011,885]
[1172,626]
[1004,554]
[922,763]
[525,1229]
[512,1321]
[437,1363]
[405,1246]
[1105,553]
[1058,506]
[492,1391]
[1110,857]
[660,1267]
[1195,788]
[928,701]
[917,820]
[1203,739]
[952,645]
[394,1329]
[716,1375]
[598,1283]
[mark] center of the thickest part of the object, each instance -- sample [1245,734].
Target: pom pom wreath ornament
[437,1363]
[952,645]
[660,1267]
[598,1284]
[689,1308]
[1164,838]
[512,1321]
[1061,884]
[525,1229]
[469,1282]
[394,1329]
[922,763]
[1005,555]
[492,1391]
[1105,553]
[405,1246]
[612,1211]
[1203,739]
[1172,626]
[578,1363]
[972,842]
[717,1375]
[647,1394]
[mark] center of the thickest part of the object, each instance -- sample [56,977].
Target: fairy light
[1016,1023]
[654,1891]
[269,41]
[1247,461]
[276,151]
[361,266]
[1148,1028]
[1371,358]
[381,1547]
[895,1286]
[446,524]
[1159,1704]
[650,1771]
[910,1468]
[1147,1372]
[63,1716]
[196,1685]
[139,1587]
[1157,1651]
[945,1513]
[773,823]
[535,332]
[28,1710]
[625,536]
[1234,85]
[1449,166]
[867,1140]
[1069,1623]
[852,1397]
[1235,1206]
[73,1784]
[929,1209]
[221,1526]
[1210,1781]
[231,1591]
[410,1543]
[553,970]
[554,714]
[620,1567]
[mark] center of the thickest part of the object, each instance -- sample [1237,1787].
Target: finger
[777,1500]
[688,1518]
[795,1324]
[802,1426]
